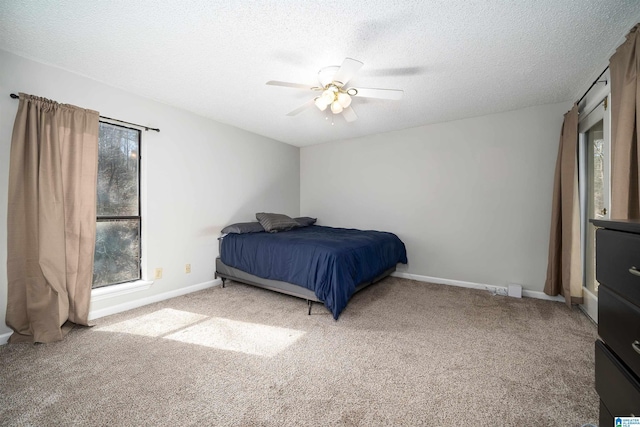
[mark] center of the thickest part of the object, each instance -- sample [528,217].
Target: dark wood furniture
[617,352]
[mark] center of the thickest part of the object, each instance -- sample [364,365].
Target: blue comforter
[329,261]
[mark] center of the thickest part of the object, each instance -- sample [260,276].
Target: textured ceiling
[453,58]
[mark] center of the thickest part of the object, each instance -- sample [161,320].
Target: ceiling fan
[333,91]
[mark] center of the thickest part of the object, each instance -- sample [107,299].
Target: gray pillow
[273,222]
[243,227]
[305,221]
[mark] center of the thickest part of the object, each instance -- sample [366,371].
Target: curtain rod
[14,96]
[597,80]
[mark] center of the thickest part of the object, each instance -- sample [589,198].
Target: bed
[320,264]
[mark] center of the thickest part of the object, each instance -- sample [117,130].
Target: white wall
[471,199]
[200,174]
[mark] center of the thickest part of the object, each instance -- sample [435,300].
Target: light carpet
[403,353]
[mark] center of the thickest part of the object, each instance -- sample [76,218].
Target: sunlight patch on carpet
[214,332]
[156,324]
[244,337]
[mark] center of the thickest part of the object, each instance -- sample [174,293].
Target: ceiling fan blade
[366,92]
[288,84]
[347,70]
[301,108]
[349,115]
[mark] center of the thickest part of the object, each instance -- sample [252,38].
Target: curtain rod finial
[14,96]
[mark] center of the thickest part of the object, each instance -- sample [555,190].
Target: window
[118,227]
[596,196]
[595,190]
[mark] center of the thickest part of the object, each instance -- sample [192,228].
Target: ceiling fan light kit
[320,103]
[344,99]
[336,108]
[334,95]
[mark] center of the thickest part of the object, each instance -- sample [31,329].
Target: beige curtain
[51,218]
[625,94]
[564,269]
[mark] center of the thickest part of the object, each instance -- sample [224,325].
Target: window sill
[113,291]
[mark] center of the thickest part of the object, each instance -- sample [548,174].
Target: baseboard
[590,305]
[4,338]
[497,290]
[119,308]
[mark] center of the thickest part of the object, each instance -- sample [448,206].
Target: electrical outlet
[187,268]
[158,273]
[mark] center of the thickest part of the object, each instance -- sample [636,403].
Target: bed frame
[225,272]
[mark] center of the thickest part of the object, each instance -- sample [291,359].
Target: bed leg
[223,280]
[310,303]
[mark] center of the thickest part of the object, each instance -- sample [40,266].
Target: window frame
[120,288]
[595,107]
